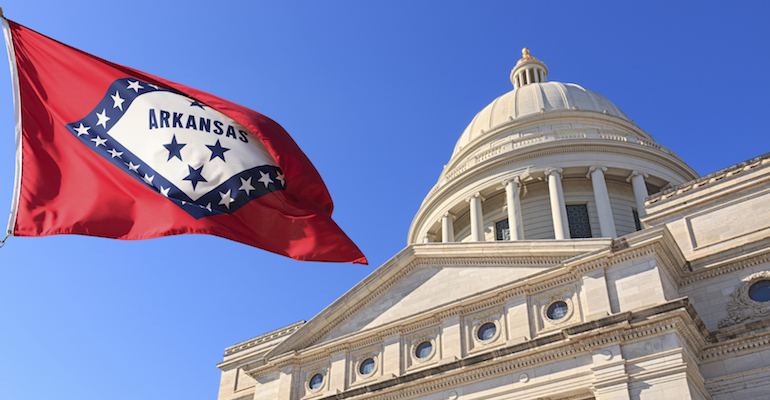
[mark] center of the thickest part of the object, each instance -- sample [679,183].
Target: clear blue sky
[376,94]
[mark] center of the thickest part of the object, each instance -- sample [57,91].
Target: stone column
[447,228]
[514,208]
[477,218]
[429,238]
[640,190]
[558,209]
[602,198]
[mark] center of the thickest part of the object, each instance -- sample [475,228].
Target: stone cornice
[525,125]
[581,339]
[263,338]
[704,182]
[726,267]
[735,347]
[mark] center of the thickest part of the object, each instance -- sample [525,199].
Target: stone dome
[532,95]
[540,156]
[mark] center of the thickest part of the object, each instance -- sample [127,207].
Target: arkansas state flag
[106,150]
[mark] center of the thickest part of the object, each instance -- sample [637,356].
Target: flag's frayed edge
[17,113]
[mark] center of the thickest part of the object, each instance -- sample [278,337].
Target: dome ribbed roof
[534,98]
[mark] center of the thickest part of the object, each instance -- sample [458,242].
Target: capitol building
[562,254]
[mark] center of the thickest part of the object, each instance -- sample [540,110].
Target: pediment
[427,276]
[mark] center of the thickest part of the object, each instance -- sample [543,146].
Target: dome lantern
[528,70]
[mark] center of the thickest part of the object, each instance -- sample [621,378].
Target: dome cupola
[528,70]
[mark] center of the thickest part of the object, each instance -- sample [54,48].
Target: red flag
[106,150]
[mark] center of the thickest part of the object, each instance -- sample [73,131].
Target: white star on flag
[246,186]
[118,101]
[164,191]
[148,179]
[103,118]
[133,167]
[226,199]
[82,130]
[281,178]
[99,141]
[265,178]
[135,85]
[116,153]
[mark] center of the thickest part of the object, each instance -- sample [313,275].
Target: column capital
[430,237]
[448,215]
[514,180]
[635,173]
[557,171]
[476,195]
[593,168]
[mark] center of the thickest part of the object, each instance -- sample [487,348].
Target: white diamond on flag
[192,152]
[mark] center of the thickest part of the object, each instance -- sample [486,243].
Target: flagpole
[17,114]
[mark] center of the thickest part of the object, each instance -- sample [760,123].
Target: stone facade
[669,297]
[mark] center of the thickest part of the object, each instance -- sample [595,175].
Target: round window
[316,381]
[367,366]
[486,331]
[557,310]
[760,291]
[423,350]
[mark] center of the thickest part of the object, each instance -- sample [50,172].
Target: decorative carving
[742,307]
[263,338]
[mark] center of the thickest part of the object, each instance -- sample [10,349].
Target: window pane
[424,350]
[637,223]
[579,226]
[501,230]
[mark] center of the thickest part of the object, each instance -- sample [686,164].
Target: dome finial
[525,55]
[528,70]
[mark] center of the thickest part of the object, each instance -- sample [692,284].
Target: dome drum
[535,212]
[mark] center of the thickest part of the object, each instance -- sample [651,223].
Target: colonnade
[558,206]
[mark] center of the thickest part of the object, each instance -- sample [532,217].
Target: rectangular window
[502,232]
[637,223]
[579,226]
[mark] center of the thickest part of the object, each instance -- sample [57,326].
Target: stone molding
[735,382]
[263,338]
[742,307]
[555,347]
[708,180]
[727,267]
[735,347]
[509,144]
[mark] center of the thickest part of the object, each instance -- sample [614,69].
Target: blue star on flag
[217,151]
[174,148]
[195,176]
